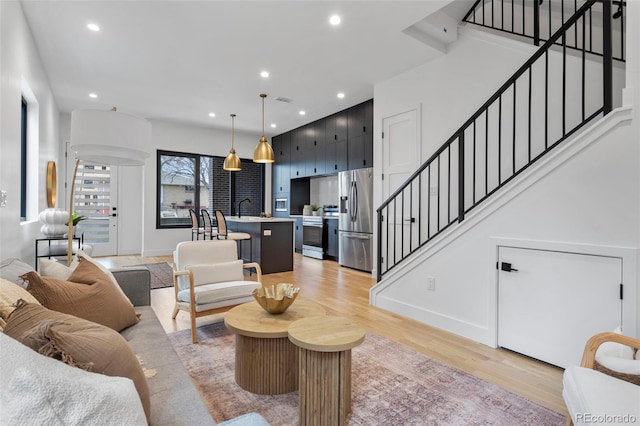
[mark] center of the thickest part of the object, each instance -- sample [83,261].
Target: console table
[55,247]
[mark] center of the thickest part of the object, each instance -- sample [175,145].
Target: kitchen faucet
[240,205]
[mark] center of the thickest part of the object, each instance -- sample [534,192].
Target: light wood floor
[345,292]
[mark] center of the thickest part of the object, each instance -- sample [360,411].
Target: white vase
[54,222]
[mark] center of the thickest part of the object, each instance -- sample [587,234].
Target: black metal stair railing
[554,94]
[540,19]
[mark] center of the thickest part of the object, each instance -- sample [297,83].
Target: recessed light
[273,125]
[302,113]
[93,27]
[341,95]
[212,114]
[264,74]
[335,20]
[93,95]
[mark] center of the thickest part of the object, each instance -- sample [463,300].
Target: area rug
[391,385]
[161,274]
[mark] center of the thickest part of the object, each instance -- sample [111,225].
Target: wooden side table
[266,361]
[324,346]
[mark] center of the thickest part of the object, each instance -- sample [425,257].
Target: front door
[95,197]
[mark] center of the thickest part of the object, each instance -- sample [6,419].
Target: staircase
[566,85]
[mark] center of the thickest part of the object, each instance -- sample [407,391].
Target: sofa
[173,398]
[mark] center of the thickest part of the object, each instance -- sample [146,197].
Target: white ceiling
[180,60]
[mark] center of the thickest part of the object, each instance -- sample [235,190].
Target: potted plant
[75,218]
[314,209]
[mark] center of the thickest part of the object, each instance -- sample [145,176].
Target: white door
[95,197]
[551,303]
[400,158]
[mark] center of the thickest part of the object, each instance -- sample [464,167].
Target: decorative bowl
[277,298]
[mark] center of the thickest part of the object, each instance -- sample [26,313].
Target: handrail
[496,133]
[528,19]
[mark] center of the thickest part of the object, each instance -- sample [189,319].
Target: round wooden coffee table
[325,367]
[266,360]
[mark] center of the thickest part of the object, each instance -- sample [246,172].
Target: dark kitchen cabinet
[297,232]
[360,135]
[331,227]
[317,149]
[336,150]
[339,142]
[298,149]
[281,166]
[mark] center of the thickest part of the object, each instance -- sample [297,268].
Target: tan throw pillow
[77,342]
[10,293]
[88,294]
[82,255]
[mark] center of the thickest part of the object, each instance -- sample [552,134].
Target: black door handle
[507,267]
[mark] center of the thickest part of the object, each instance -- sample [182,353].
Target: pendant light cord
[233,116]
[263,95]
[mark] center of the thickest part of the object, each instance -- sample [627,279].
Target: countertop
[257,219]
[324,217]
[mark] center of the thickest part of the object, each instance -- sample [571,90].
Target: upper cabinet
[360,136]
[282,157]
[339,142]
[336,142]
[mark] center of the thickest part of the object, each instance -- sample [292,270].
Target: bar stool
[224,233]
[209,229]
[196,229]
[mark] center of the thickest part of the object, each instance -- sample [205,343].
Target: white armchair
[604,389]
[208,278]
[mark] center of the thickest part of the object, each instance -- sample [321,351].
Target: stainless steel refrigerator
[355,227]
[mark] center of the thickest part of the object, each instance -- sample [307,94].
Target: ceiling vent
[282,99]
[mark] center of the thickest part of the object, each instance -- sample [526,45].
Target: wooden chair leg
[194,337]
[175,312]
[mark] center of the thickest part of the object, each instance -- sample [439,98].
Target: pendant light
[232,162]
[263,152]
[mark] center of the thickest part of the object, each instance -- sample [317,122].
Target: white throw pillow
[54,269]
[216,272]
[614,349]
[618,357]
[38,390]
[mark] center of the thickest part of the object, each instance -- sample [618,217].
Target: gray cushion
[12,269]
[174,399]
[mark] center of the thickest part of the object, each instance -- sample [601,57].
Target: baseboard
[476,332]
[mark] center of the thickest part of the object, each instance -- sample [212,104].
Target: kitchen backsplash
[324,190]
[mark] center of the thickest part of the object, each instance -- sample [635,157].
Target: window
[23,161]
[190,181]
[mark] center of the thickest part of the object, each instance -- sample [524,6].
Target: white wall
[183,138]
[589,200]
[20,61]
[593,199]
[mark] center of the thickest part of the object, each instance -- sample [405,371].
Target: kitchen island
[272,241]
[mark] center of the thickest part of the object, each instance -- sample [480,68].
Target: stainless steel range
[313,236]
